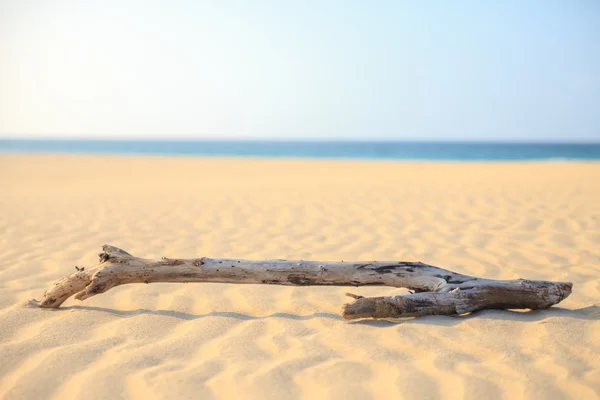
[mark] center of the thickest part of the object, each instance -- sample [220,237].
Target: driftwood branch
[436,290]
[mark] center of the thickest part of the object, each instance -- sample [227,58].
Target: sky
[312,69]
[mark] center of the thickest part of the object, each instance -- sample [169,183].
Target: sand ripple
[534,220]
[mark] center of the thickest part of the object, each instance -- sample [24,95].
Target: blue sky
[470,70]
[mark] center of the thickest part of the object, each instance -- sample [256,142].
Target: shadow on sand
[587,313]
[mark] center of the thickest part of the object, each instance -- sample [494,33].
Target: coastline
[311,149]
[251,158]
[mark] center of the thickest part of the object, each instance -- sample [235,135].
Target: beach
[499,220]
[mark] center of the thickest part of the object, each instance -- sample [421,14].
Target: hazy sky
[301,69]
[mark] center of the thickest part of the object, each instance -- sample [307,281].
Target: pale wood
[437,291]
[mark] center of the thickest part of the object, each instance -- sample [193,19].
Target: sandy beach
[537,220]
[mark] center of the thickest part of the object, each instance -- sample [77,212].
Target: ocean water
[448,151]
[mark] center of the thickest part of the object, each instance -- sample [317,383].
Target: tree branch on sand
[436,291]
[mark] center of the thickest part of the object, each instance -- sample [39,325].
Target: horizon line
[301,139]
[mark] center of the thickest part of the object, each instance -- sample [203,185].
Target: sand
[497,220]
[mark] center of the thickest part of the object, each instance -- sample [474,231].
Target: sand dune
[498,220]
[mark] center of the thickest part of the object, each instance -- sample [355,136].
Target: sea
[376,150]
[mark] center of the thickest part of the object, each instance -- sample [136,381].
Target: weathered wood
[483,294]
[438,291]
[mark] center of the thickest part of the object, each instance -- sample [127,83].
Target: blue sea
[433,151]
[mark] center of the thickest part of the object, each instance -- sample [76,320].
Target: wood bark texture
[436,291]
